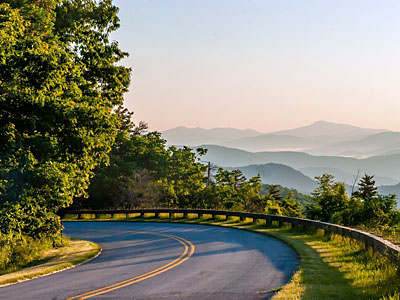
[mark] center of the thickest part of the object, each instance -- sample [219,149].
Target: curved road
[166,261]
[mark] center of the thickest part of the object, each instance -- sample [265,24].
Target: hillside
[280,174]
[343,176]
[381,166]
[195,136]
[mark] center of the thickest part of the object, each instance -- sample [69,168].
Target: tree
[284,207]
[328,200]
[376,209]
[366,188]
[184,177]
[275,192]
[59,83]
[367,192]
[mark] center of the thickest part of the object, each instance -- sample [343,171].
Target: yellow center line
[186,254]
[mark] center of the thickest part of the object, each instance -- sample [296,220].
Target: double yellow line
[186,254]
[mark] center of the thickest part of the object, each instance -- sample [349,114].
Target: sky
[262,64]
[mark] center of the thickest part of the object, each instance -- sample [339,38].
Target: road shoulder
[55,260]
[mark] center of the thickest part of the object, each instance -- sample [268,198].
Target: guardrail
[378,244]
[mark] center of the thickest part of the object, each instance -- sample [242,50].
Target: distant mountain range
[384,143]
[319,138]
[344,176]
[288,177]
[324,129]
[386,168]
[292,158]
[196,136]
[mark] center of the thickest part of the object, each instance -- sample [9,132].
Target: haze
[266,65]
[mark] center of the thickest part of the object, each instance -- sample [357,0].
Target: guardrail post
[199,215]
[157,214]
[142,214]
[242,218]
[185,215]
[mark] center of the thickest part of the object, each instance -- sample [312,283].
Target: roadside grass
[331,267]
[52,260]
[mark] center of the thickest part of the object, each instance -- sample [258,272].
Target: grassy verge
[331,267]
[53,260]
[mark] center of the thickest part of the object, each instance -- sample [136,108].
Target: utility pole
[209,173]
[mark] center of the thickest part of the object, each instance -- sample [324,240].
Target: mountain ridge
[382,166]
[318,138]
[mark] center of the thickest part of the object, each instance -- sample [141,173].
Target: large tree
[59,84]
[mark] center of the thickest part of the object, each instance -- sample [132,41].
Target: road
[167,261]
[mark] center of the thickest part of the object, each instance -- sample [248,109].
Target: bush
[20,251]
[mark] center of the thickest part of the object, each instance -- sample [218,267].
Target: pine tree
[368,193]
[366,188]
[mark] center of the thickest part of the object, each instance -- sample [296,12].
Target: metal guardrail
[378,244]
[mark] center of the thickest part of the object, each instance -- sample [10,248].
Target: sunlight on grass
[53,260]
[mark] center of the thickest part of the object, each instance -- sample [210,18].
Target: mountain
[195,136]
[280,174]
[329,129]
[375,144]
[380,166]
[343,176]
[319,138]
[270,142]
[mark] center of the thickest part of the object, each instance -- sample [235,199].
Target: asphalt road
[167,261]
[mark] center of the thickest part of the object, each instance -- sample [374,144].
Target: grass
[53,260]
[331,267]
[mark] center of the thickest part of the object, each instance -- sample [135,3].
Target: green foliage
[330,203]
[58,86]
[17,251]
[284,207]
[237,193]
[274,192]
[329,199]
[299,197]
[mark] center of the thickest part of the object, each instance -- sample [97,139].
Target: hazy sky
[262,64]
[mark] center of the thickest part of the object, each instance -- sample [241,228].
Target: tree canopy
[59,84]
